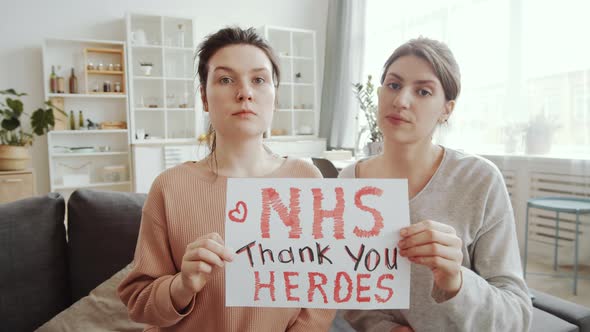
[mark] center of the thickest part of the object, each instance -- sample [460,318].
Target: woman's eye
[225,80]
[394,86]
[424,92]
[259,80]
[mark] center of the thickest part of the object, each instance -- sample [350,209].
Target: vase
[373,148]
[13,158]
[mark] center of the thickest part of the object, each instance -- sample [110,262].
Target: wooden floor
[560,287]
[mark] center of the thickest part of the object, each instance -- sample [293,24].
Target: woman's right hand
[402,329]
[200,259]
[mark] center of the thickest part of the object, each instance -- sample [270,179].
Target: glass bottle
[52,81]
[80,120]
[73,82]
[72,121]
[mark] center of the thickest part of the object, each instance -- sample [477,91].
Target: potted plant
[14,140]
[365,94]
[539,134]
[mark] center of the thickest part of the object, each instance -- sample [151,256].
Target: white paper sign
[317,243]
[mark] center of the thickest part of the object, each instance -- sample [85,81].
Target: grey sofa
[42,273]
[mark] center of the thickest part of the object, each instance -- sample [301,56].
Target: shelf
[104,50]
[85,132]
[166,141]
[105,72]
[181,109]
[93,185]
[89,154]
[148,78]
[146,46]
[87,95]
[149,109]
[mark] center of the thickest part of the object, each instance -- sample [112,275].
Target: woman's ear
[204,98]
[449,107]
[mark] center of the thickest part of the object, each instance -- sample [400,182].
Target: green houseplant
[14,140]
[365,94]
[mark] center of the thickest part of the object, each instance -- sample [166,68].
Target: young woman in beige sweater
[177,282]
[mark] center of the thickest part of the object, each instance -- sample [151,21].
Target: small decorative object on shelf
[113,125]
[146,68]
[91,125]
[72,121]
[297,77]
[117,87]
[180,35]
[106,87]
[73,82]
[80,120]
[53,81]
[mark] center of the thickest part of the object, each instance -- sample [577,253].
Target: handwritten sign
[317,243]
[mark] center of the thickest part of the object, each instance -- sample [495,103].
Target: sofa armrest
[566,310]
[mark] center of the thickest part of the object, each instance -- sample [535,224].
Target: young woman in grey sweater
[466,273]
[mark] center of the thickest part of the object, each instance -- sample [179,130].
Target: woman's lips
[396,119]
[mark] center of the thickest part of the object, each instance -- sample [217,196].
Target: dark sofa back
[102,233]
[33,267]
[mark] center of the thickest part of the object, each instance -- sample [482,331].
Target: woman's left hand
[438,247]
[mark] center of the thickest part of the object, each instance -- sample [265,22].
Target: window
[524,73]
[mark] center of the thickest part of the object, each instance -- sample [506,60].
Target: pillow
[102,232]
[33,266]
[101,310]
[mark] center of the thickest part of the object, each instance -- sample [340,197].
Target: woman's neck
[242,158]
[417,163]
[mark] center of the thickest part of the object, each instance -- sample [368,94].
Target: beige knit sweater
[184,203]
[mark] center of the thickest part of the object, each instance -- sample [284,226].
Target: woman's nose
[402,98]
[244,92]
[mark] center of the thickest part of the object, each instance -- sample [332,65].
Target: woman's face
[411,101]
[240,93]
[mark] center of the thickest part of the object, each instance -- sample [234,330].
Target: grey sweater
[468,193]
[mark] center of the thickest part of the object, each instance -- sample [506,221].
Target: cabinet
[162,90]
[297,114]
[88,156]
[15,185]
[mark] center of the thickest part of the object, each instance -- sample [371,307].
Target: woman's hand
[200,259]
[438,247]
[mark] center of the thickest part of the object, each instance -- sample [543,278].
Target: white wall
[25,24]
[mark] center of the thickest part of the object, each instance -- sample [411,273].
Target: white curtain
[525,69]
[342,67]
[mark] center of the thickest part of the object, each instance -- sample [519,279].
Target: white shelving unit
[297,115]
[105,148]
[162,104]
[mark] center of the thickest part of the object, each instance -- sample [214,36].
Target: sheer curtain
[342,67]
[525,68]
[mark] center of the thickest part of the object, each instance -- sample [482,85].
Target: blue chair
[577,206]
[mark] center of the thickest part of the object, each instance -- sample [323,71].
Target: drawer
[16,186]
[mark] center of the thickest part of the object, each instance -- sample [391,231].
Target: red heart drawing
[240,213]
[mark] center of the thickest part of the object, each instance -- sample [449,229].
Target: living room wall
[25,24]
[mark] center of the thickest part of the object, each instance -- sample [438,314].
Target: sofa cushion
[544,321]
[101,310]
[102,233]
[566,310]
[33,277]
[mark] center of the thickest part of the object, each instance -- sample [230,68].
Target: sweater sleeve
[310,320]
[146,290]
[370,320]
[493,295]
